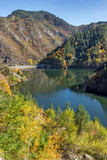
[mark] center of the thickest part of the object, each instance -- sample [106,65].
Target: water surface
[61,86]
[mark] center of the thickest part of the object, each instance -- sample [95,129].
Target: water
[59,86]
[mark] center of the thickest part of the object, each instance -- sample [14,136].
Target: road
[23,67]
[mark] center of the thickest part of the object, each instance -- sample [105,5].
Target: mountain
[26,35]
[87,48]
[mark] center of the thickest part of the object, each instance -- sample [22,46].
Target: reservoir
[57,87]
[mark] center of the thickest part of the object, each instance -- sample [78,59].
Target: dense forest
[87,48]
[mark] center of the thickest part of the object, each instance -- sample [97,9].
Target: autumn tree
[69,129]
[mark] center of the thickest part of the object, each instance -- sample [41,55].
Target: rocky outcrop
[69,154]
[87,157]
[1,158]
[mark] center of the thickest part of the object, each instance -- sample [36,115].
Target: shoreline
[47,67]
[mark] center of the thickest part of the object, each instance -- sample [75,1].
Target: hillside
[97,83]
[28,35]
[9,78]
[84,49]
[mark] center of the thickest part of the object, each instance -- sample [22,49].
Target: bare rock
[87,157]
[1,158]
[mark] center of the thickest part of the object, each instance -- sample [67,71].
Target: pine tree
[82,118]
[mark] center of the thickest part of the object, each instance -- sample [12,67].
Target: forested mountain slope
[86,48]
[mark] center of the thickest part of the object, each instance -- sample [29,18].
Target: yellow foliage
[100,51]
[50,113]
[52,149]
[1,152]
[30,61]
[16,70]
[82,142]
[31,128]
[20,72]
[97,60]
[5,87]
[76,42]
[93,140]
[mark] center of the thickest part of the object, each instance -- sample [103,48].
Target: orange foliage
[65,73]
[65,63]
[16,70]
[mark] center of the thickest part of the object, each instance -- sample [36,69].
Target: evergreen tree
[81,118]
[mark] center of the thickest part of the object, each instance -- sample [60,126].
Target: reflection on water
[39,83]
[56,87]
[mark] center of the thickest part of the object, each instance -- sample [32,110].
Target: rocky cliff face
[31,35]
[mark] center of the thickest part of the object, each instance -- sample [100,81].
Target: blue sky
[75,12]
